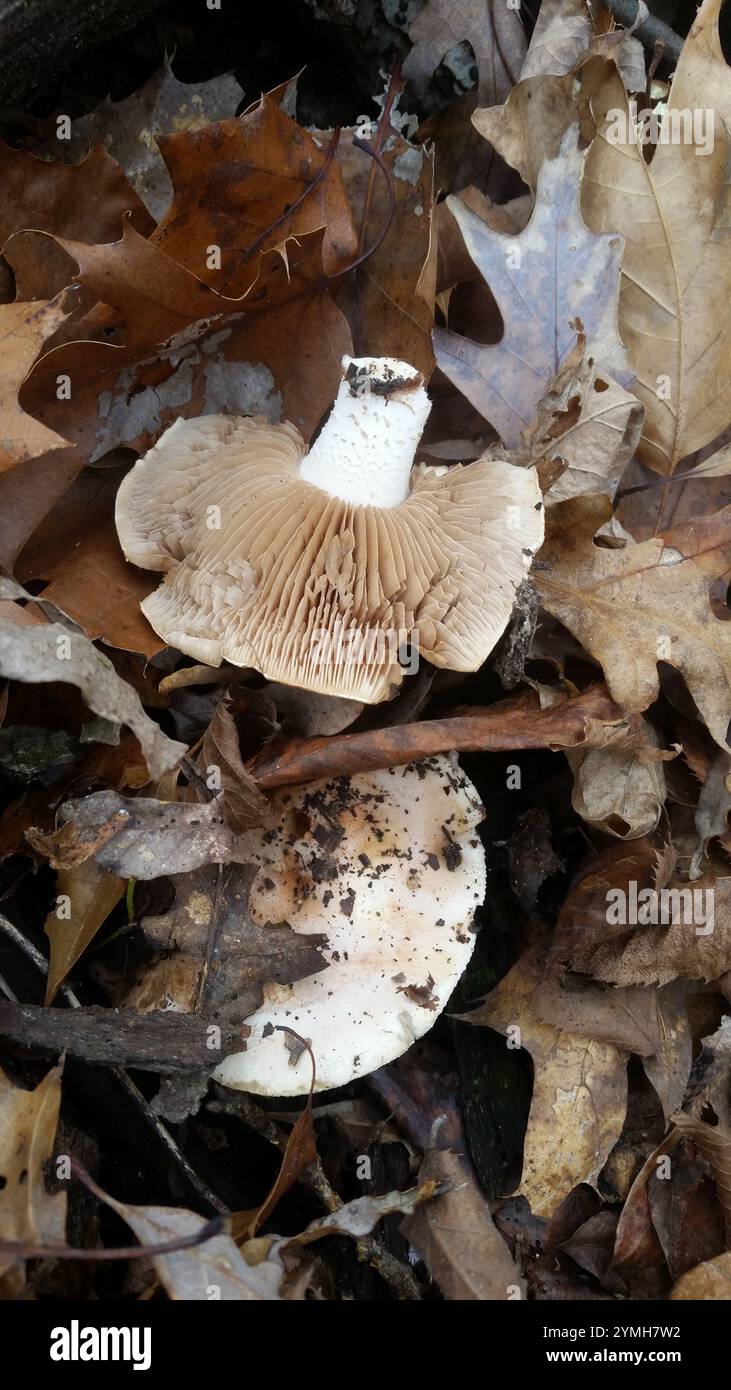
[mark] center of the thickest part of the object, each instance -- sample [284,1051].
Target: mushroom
[320,568]
[390,867]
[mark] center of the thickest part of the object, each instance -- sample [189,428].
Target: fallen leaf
[85,896]
[457,1239]
[494,33]
[24,327]
[579,1089]
[714,1143]
[710,1280]
[625,606]
[528,128]
[569,278]
[244,805]
[52,653]
[562,33]
[674,276]
[617,790]
[585,431]
[139,837]
[611,925]
[28,1213]
[129,129]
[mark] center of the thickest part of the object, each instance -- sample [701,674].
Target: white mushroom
[319,568]
[390,867]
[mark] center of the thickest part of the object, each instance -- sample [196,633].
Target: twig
[652,31]
[164,1137]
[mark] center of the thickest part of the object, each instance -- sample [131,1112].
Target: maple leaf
[552,281]
[647,603]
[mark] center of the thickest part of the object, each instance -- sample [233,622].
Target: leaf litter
[174,260]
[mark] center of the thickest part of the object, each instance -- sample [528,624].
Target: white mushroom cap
[268,568]
[390,867]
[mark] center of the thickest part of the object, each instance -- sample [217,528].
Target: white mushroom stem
[365,451]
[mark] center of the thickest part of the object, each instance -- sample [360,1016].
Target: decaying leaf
[620,791]
[243,804]
[29,1214]
[585,431]
[553,281]
[579,1089]
[494,33]
[673,295]
[710,1280]
[457,1239]
[85,896]
[52,653]
[647,603]
[620,924]
[139,837]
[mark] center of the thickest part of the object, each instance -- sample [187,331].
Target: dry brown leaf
[710,1280]
[243,804]
[28,1213]
[562,33]
[88,201]
[24,327]
[598,932]
[529,127]
[494,32]
[85,896]
[675,275]
[647,603]
[52,653]
[391,296]
[618,790]
[457,1239]
[76,555]
[247,186]
[579,1089]
[585,431]
[714,1144]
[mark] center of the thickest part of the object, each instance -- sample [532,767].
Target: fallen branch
[162,1042]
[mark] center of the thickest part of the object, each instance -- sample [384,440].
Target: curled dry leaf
[579,1089]
[191,1274]
[28,1213]
[456,1237]
[585,431]
[52,653]
[647,603]
[243,803]
[617,790]
[139,837]
[569,278]
[620,925]
[85,896]
[714,1144]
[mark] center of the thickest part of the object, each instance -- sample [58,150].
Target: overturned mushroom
[389,866]
[319,569]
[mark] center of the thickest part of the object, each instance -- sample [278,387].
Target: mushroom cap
[266,569]
[390,867]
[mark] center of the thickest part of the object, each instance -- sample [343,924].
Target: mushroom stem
[365,450]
